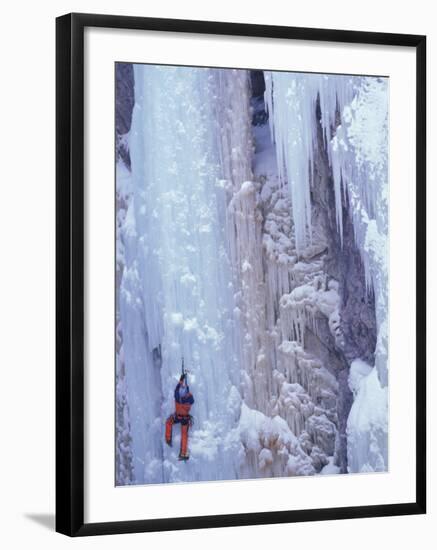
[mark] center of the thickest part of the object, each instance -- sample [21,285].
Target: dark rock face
[124,96]
[357,309]
[257,83]
[323,345]
[124,103]
[343,262]
[257,88]
[344,405]
[357,306]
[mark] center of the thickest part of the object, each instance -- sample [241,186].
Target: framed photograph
[240,274]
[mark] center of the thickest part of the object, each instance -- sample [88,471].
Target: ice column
[181,268]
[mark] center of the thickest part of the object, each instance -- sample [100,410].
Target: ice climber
[183,401]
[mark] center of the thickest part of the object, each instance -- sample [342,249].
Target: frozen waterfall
[178,279]
[221,261]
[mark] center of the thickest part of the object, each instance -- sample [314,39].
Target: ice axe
[185,372]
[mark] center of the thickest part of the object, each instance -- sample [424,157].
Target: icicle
[291,99]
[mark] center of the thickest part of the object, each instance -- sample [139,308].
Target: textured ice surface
[354,118]
[220,260]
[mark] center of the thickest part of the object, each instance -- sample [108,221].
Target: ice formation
[354,120]
[221,260]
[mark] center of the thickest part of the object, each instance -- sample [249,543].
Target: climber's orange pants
[185,423]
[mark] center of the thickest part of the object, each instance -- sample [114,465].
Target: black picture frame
[70,272]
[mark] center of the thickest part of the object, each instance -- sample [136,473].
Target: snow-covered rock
[367,425]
